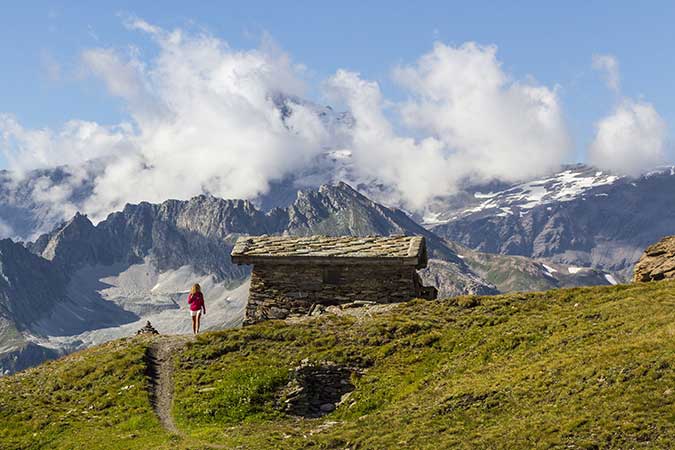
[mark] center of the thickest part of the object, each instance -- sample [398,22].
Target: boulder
[657,262]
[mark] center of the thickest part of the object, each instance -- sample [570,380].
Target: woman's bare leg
[194,324]
[199,319]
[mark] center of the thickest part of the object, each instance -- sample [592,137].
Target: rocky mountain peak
[68,242]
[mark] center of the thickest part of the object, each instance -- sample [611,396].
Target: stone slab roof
[396,250]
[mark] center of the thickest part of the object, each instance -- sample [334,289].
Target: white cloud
[478,123]
[633,137]
[77,141]
[203,119]
[609,66]
[630,140]
[496,126]
[417,170]
[122,78]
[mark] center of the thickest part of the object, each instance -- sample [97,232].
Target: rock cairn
[317,389]
[147,329]
[657,262]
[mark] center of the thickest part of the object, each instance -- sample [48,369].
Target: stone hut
[292,274]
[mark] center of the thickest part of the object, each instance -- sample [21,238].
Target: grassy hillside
[586,368]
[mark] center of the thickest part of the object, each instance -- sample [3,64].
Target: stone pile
[657,262]
[147,329]
[317,389]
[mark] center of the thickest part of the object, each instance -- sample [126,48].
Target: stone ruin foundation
[317,389]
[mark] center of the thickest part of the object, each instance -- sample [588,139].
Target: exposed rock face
[517,273]
[657,262]
[25,356]
[29,285]
[201,232]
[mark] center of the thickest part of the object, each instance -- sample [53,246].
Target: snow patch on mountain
[574,182]
[550,270]
[561,187]
[610,279]
[663,170]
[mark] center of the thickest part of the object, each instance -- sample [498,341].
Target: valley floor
[571,368]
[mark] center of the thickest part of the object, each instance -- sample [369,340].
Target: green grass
[584,368]
[96,398]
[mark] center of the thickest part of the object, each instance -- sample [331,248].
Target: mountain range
[82,284]
[580,216]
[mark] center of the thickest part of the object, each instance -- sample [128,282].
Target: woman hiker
[197,307]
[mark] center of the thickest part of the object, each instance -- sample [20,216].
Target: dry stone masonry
[318,388]
[291,275]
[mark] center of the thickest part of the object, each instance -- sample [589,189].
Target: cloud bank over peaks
[633,137]
[205,117]
[203,120]
[478,122]
[493,125]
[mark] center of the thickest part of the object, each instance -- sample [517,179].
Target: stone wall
[278,291]
[316,389]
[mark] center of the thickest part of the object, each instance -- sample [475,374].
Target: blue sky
[42,85]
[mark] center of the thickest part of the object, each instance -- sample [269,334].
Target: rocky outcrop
[657,262]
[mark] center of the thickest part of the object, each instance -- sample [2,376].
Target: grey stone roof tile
[392,249]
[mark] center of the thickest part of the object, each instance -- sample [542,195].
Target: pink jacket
[196,301]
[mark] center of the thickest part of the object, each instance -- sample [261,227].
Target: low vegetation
[96,398]
[585,368]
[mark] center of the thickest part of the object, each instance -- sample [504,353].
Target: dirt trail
[160,370]
[159,362]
